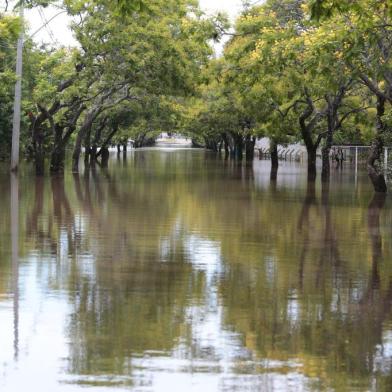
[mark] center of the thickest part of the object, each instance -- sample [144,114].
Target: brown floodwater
[177,271]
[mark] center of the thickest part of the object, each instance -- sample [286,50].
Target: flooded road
[177,271]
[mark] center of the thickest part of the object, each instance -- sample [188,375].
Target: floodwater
[177,271]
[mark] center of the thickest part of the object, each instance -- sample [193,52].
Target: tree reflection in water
[177,264]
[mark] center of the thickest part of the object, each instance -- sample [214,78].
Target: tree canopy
[310,71]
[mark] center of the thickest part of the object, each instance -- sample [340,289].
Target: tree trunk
[274,159]
[238,147]
[333,104]
[87,148]
[39,160]
[58,153]
[76,154]
[250,148]
[308,121]
[57,159]
[225,144]
[312,158]
[104,156]
[78,149]
[220,145]
[39,156]
[274,154]
[376,176]
[37,144]
[96,139]
[227,149]
[84,130]
[325,170]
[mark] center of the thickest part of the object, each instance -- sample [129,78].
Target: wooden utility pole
[18,96]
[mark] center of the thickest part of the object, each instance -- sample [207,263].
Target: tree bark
[376,176]
[333,104]
[104,156]
[326,169]
[312,159]
[87,148]
[39,161]
[58,152]
[274,159]
[61,140]
[238,147]
[57,160]
[250,142]
[308,121]
[84,130]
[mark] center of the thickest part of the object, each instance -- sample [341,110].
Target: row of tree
[134,62]
[313,71]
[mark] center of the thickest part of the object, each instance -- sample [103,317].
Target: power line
[46,25]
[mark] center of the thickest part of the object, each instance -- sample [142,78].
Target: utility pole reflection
[15,256]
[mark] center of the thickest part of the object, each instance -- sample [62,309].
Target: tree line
[132,65]
[316,71]
[313,71]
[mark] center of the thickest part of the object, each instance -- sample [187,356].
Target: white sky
[57,31]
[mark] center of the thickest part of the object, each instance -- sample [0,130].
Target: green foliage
[148,66]
[9,31]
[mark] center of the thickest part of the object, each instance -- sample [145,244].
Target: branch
[319,138]
[346,115]
[372,86]
[47,116]
[107,141]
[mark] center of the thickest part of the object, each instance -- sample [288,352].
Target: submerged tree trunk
[230,145]
[61,139]
[96,139]
[238,147]
[104,156]
[227,149]
[374,172]
[250,142]
[274,159]
[333,104]
[76,154]
[38,150]
[39,161]
[58,152]
[326,169]
[312,159]
[39,155]
[87,148]
[57,159]
[84,130]
[308,121]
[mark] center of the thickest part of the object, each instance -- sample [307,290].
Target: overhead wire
[46,26]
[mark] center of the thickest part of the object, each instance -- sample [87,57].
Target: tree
[365,31]
[9,31]
[122,57]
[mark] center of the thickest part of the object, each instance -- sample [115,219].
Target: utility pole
[18,96]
